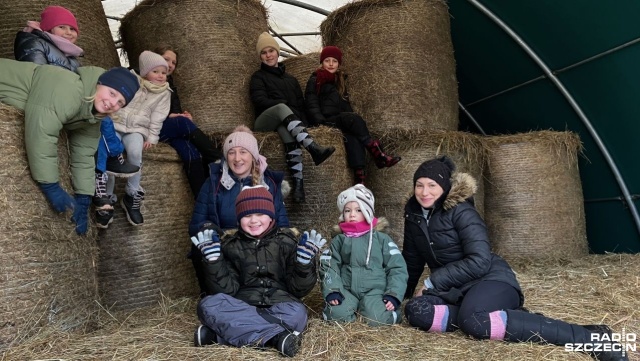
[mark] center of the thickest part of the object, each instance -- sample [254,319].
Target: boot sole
[104,226]
[124,207]
[121,175]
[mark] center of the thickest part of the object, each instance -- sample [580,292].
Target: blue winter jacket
[217,204]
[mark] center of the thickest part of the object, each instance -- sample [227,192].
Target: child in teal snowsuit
[363,272]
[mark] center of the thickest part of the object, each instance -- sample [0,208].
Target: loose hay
[592,289]
[95,37]
[216,45]
[399,57]
[48,272]
[393,186]
[138,264]
[534,201]
[302,66]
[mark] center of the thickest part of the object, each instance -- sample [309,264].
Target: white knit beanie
[360,194]
[149,60]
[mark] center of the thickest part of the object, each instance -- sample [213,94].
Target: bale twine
[302,66]
[140,264]
[215,41]
[95,37]
[534,202]
[399,57]
[393,186]
[48,272]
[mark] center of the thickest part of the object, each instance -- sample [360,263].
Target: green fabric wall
[607,89]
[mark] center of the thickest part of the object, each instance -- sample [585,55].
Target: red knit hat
[53,16]
[331,52]
[252,200]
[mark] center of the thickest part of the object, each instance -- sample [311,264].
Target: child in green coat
[363,272]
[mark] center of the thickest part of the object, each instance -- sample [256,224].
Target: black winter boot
[118,166]
[381,159]
[131,206]
[287,343]
[606,355]
[204,336]
[101,199]
[359,175]
[210,154]
[195,175]
[318,153]
[294,163]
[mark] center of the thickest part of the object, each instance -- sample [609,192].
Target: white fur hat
[363,196]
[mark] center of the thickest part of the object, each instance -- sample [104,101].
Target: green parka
[345,266]
[54,98]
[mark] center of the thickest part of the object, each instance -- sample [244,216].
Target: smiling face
[157,75]
[172,60]
[330,64]
[427,192]
[255,224]
[269,56]
[107,100]
[240,161]
[352,212]
[65,31]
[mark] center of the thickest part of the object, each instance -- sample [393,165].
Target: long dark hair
[163,48]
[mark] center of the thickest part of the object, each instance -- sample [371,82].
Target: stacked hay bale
[215,41]
[400,59]
[393,186]
[302,66]
[534,202]
[322,183]
[139,265]
[95,37]
[48,272]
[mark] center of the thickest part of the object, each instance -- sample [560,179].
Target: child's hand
[173,115]
[186,114]
[390,302]
[389,305]
[334,302]
[309,245]
[208,243]
[147,145]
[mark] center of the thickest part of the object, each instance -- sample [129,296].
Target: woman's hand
[186,114]
[146,145]
[173,115]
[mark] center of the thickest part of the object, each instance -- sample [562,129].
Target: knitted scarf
[324,77]
[153,88]
[67,47]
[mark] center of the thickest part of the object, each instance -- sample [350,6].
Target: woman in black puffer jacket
[469,287]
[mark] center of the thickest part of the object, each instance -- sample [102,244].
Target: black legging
[356,134]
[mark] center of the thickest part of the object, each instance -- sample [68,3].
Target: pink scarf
[357,229]
[67,47]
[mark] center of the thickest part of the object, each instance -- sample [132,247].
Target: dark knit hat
[331,52]
[53,16]
[252,200]
[122,80]
[438,169]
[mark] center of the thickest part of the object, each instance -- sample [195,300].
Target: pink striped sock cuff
[498,320]
[440,318]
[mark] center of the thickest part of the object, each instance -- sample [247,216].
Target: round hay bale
[322,183]
[215,41]
[48,272]
[399,57]
[529,216]
[302,66]
[95,37]
[140,265]
[393,186]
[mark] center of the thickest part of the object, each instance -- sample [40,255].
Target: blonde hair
[256,177]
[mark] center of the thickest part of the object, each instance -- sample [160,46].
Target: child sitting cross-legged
[255,278]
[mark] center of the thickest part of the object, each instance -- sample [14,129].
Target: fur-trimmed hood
[463,186]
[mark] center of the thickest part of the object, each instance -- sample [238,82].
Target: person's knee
[339,313]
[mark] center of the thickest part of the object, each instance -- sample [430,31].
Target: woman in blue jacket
[243,165]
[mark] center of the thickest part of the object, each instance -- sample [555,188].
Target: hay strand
[302,66]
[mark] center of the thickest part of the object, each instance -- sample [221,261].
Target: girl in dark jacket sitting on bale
[256,278]
[279,105]
[327,102]
[469,287]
